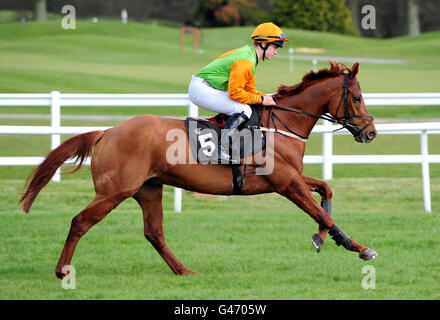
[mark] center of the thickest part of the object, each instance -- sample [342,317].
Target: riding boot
[231,126]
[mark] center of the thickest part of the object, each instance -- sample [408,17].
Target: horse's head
[347,106]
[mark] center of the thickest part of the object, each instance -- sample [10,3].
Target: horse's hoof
[196,273]
[317,242]
[60,275]
[188,272]
[368,255]
[61,272]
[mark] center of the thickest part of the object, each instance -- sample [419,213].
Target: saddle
[204,135]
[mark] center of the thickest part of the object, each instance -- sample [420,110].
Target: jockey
[227,84]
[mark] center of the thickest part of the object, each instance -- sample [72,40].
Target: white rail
[402,99]
[56,100]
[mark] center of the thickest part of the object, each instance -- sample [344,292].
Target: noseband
[344,122]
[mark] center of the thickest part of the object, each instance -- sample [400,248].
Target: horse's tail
[79,146]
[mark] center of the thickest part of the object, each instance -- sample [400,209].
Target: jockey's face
[271,51]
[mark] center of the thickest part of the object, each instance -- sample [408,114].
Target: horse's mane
[336,69]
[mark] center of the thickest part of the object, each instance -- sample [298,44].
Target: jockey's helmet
[269,33]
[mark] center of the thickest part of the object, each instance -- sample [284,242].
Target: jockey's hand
[268,100]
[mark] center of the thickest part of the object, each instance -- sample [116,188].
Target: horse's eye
[357,99]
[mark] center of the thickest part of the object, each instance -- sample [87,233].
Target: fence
[56,100]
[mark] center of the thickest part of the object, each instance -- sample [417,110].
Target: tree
[216,13]
[40,10]
[413,18]
[393,17]
[320,15]
[355,10]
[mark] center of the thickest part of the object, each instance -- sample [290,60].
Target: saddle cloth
[204,136]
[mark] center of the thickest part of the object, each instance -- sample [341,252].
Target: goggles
[281,37]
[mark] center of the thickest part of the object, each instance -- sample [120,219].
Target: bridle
[344,122]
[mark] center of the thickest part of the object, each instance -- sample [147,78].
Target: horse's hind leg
[323,189]
[91,215]
[149,198]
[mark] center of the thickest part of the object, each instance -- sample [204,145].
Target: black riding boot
[232,126]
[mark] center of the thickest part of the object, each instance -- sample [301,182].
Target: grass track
[247,247]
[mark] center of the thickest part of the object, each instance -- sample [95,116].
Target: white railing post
[425,170]
[193,110]
[291,66]
[55,116]
[327,152]
[177,199]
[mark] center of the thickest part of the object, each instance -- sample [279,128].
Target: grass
[247,247]
[139,57]
[108,57]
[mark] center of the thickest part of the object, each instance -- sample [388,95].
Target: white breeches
[202,94]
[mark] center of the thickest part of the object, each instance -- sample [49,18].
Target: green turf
[255,247]
[138,57]
[108,57]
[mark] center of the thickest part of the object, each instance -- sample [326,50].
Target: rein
[344,122]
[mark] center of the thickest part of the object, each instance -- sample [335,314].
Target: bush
[217,13]
[320,15]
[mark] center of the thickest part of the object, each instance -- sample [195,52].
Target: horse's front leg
[297,190]
[323,189]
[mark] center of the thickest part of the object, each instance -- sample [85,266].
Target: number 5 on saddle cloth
[205,135]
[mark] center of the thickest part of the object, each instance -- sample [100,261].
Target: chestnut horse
[129,160]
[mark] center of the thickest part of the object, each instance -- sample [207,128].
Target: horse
[130,160]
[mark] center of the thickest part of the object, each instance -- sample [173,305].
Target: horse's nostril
[372,134]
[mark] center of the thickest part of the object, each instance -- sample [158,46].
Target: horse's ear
[354,70]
